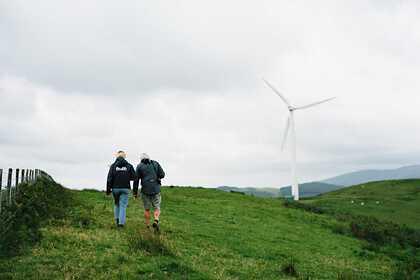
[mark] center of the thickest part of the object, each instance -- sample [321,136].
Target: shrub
[237,192]
[35,203]
[304,206]
[409,267]
[381,232]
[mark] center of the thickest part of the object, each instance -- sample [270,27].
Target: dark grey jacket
[150,173]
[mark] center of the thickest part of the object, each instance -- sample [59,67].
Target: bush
[304,206]
[35,203]
[237,192]
[409,267]
[380,232]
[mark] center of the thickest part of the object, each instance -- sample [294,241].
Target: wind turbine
[290,127]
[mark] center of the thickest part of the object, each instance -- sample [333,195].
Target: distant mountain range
[364,176]
[334,183]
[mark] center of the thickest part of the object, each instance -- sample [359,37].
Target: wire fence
[12,179]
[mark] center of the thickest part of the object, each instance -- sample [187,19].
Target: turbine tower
[290,128]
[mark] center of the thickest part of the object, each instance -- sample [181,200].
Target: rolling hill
[206,234]
[397,201]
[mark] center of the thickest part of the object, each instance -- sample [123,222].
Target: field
[397,201]
[206,234]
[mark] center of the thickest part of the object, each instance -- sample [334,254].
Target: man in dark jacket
[150,172]
[119,176]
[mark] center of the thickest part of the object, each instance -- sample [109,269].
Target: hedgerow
[34,205]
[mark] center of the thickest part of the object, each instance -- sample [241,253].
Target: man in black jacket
[150,172]
[119,176]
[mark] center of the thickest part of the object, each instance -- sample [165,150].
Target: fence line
[8,194]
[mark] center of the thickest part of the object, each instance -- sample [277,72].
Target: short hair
[121,154]
[144,156]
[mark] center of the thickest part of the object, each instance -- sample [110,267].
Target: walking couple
[149,172]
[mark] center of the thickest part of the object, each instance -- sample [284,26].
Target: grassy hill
[206,234]
[396,200]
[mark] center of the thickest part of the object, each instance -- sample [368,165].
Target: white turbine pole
[295,185]
[291,125]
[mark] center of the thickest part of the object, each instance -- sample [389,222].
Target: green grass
[206,234]
[397,201]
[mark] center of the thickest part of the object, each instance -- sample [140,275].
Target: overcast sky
[181,80]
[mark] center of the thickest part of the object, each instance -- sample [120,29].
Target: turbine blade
[277,92]
[314,104]
[286,133]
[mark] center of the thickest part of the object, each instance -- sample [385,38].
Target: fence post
[17,181]
[1,191]
[17,176]
[22,176]
[32,175]
[27,175]
[9,184]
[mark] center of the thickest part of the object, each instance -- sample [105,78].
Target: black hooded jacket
[120,174]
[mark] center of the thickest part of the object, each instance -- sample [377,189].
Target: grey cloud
[148,49]
[181,81]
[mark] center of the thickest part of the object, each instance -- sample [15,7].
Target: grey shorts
[151,201]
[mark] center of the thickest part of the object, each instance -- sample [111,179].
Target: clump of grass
[82,217]
[289,268]
[347,275]
[153,244]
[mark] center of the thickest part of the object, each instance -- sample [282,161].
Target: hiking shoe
[117,221]
[156,225]
[120,226]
